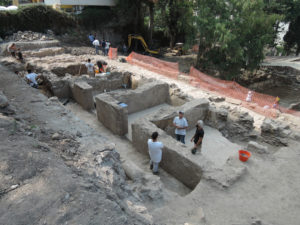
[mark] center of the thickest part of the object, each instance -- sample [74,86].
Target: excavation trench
[136,113]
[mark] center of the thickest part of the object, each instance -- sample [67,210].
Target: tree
[232,34]
[5,2]
[175,18]
[290,10]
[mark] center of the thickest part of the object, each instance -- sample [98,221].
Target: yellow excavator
[143,42]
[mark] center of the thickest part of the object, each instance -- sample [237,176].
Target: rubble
[24,36]
[295,106]
[275,133]
[3,100]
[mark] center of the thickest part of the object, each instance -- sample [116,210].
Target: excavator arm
[140,38]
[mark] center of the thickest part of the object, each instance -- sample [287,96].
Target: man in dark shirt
[198,137]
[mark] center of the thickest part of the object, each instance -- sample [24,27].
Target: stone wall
[105,83]
[193,111]
[82,93]
[30,45]
[232,123]
[146,96]
[175,158]
[44,52]
[111,114]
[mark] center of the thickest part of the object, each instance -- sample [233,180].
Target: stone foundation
[146,96]
[83,94]
[111,114]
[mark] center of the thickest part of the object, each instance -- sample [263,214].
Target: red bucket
[244,155]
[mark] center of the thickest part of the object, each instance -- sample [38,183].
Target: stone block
[111,114]
[3,100]
[146,96]
[83,94]
[275,132]
[257,148]
[233,101]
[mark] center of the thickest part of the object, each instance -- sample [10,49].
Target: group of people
[91,69]
[180,123]
[104,44]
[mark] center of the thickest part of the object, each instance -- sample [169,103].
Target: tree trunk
[151,22]
[137,22]
[172,22]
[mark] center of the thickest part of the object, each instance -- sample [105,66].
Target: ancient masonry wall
[111,114]
[146,96]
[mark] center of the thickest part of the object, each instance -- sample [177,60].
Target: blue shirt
[91,37]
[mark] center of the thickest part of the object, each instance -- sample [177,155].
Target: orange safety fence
[260,103]
[113,53]
[169,69]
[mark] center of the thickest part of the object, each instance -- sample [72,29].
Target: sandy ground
[215,147]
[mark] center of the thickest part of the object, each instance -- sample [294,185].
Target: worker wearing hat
[198,137]
[180,123]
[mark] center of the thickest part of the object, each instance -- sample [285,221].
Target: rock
[256,222]
[296,136]
[55,136]
[257,148]
[8,110]
[295,106]
[53,99]
[217,117]
[233,101]
[239,124]
[216,99]
[275,133]
[3,100]
[78,134]
[43,146]
[123,60]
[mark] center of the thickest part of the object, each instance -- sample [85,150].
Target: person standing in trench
[155,151]
[198,137]
[181,124]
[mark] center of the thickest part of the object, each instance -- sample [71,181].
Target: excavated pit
[134,107]
[151,106]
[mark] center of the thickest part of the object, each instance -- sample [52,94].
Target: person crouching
[198,137]
[155,152]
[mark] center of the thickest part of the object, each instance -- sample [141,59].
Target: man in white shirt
[155,152]
[181,124]
[97,45]
[31,79]
[90,68]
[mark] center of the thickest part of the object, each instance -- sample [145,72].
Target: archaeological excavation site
[74,150]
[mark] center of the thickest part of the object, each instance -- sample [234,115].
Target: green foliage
[290,10]
[94,17]
[5,2]
[35,18]
[232,34]
[175,19]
